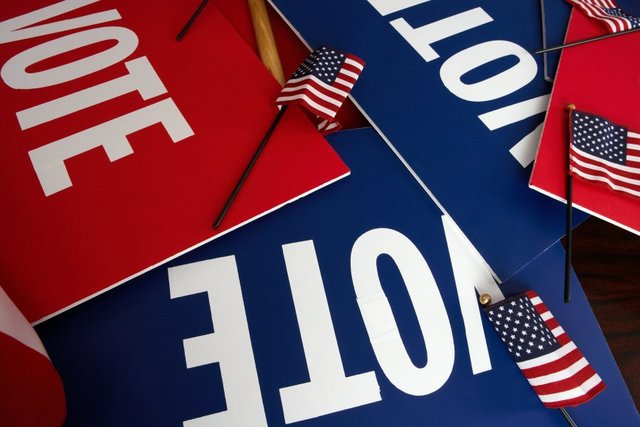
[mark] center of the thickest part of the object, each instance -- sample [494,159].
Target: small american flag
[551,362]
[322,83]
[607,12]
[605,152]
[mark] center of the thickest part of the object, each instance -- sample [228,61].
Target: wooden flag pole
[191,20]
[592,39]
[569,226]
[264,38]
[269,56]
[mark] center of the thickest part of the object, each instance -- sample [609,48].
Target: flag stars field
[605,152]
[322,82]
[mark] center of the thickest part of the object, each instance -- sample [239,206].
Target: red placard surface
[599,78]
[121,145]
[291,49]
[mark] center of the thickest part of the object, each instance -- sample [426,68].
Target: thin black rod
[191,20]
[246,172]
[592,39]
[568,418]
[567,262]
[569,223]
[543,22]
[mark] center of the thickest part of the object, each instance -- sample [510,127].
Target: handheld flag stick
[269,56]
[569,228]
[249,167]
[568,418]
[191,20]
[315,86]
[543,32]
[592,39]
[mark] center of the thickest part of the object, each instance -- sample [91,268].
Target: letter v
[14,29]
[471,273]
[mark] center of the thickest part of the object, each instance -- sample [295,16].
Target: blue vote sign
[344,309]
[454,89]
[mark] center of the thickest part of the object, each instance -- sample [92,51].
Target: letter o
[15,74]
[380,322]
[494,87]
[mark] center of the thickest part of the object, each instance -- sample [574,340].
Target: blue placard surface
[286,280]
[454,89]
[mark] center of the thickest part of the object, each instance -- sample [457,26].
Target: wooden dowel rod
[264,38]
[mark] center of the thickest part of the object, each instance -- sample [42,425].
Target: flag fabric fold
[608,13]
[31,391]
[604,152]
[321,84]
[556,369]
[325,127]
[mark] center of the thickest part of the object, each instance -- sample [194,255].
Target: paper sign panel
[453,88]
[338,334]
[581,81]
[121,145]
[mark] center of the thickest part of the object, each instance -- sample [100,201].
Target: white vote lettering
[421,38]
[498,86]
[378,315]
[15,29]
[141,78]
[471,274]
[386,7]
[458,65]
[524,150]
[48,160]
[15,74]
[229,345]
[329,389]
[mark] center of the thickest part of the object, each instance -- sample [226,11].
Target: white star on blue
[524,341]
[599,137]
[323,63]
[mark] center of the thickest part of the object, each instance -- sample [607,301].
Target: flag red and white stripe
[604,152]
[325,127]
[31,393]
[563,377]
[607,12]
[322,82]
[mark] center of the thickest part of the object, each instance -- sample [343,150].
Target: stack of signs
[578,70]
[355,306]
[456,93]
[344,309]
[121,145]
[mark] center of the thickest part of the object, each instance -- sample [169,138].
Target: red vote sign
[609,91]
[120,144]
